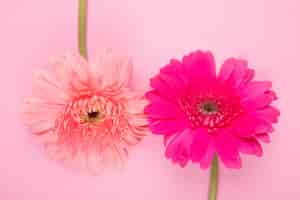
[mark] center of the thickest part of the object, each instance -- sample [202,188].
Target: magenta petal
[167,127]
[264,137]
[154,97]
[179,148]
[199,66]
[257,102]
[227,149]
[269,114]
[249,125]
[235,72]
[254,89]
[163,88]
[203,148]
[263,127]
[175,83]
[248,76]
[250,146]
[244,126]
[163,111]
[176,69]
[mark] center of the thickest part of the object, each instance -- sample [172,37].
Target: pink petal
[136,106]
[41,127]
[227,149]
[125,71]
[71,67]
[199,66]
[203,148]
[250,146]
[47,87]
[111,68]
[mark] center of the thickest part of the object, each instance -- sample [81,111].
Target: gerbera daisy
[86,111]
[201,114]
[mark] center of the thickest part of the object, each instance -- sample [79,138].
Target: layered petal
[179,147]
[227,115]
[199,67]
[250,146]
[203,148]
[86,113]
[228,149]
[167,127]
[236,72]
[111,69]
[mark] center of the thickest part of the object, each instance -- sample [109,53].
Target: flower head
[86,112]
[201,114]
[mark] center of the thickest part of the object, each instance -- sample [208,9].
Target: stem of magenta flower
[82,28]
[212,195]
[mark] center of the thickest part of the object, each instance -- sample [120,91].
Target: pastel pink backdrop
[266,32]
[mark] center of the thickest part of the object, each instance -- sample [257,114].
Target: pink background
[266,32]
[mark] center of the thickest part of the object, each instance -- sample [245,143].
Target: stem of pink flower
[82,28]
[212,195]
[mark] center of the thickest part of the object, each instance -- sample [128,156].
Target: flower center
[92,116]
[211,111]
[208,108]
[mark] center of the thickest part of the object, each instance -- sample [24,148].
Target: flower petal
[269,114]
[254,89]
[199,66]
[167,127]
[163,88]
[227,149]
[163,111]
[264,137]
[112,68]
[174,76]
[203,148]
[248,126]
[257,102]
[250,146]
[236,72]
[179,148]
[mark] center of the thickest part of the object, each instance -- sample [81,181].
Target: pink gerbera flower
[86,111]
[202,114]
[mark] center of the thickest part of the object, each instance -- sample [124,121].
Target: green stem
[82,28]
[213,180]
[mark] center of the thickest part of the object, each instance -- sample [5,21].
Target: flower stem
[82,28]
[213,180]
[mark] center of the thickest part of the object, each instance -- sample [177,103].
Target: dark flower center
[93,115]
[208,108]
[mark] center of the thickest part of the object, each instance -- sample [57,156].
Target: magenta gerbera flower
[201,114]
